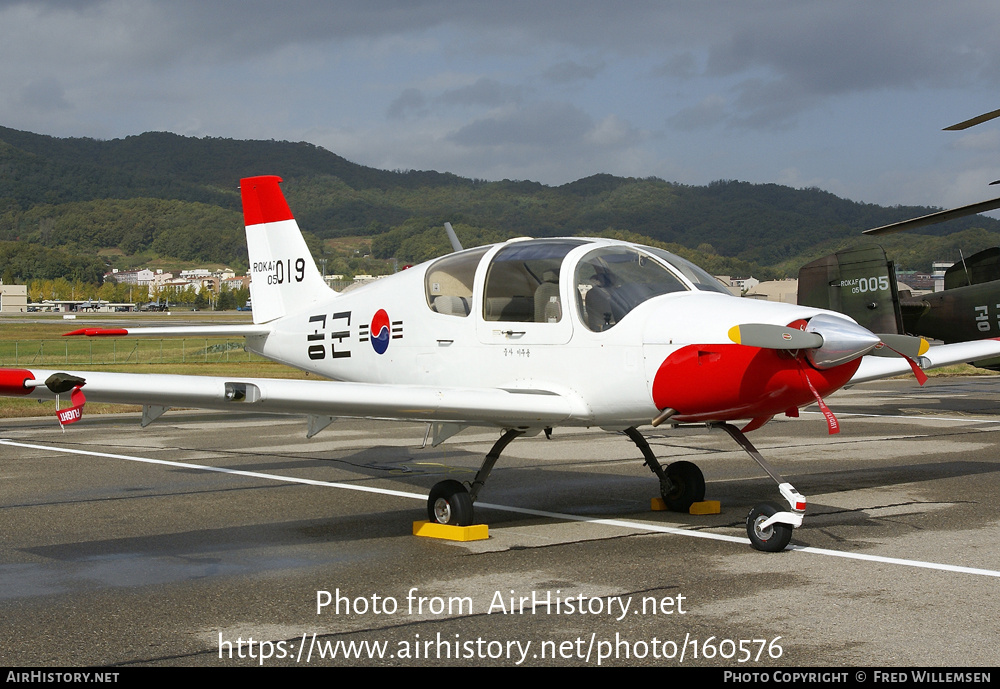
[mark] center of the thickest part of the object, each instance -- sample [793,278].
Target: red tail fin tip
[263,201]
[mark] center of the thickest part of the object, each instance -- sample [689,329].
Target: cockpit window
[702,280]
[448,284]
[611,281]
[522,284]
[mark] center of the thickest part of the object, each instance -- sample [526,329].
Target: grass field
[108,351]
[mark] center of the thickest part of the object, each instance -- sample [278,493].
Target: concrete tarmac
[225,540]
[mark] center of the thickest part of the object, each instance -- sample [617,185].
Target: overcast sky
[849,96]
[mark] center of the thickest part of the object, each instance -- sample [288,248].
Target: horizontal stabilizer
[235,330]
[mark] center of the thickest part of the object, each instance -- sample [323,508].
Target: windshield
[611,281]
[702,279]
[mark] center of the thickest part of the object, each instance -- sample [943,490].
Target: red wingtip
[12,381]
[263,201]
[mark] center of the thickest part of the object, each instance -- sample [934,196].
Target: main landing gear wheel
[449,503]
[688,486]
[772,539]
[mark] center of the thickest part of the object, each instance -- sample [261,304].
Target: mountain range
[80,205]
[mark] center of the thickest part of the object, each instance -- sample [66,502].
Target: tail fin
[283,275]
[858,282]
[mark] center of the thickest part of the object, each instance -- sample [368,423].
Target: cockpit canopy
[522,282]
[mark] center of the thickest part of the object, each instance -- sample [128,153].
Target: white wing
[501,407]
[874,368]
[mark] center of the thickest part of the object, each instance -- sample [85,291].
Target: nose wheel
[766,534]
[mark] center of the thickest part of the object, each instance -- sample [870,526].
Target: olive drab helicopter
[861,283]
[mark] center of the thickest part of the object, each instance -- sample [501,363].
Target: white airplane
[521,336]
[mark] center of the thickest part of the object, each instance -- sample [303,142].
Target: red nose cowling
[727,382]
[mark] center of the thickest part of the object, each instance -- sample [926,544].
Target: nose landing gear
[765,533]
[769,527]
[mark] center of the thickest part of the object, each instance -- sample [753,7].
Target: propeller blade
[900,345]
[904,347]
[768,336]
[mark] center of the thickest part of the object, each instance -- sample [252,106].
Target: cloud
[612,131]
[984,141]
[44,94]
[814,51]
[681,66]
[557,89]
[568,71]
[409,100]
[709,112]
[539,125]
[483,92]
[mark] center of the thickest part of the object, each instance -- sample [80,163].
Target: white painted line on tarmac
[910,417]
[218,470]
[384,491]
[895,561]
[621,523]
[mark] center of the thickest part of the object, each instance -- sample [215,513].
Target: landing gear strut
[450,503]
[681,484]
